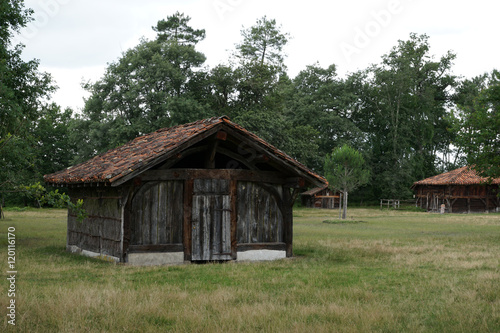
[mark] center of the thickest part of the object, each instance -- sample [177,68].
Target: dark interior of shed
[219,152]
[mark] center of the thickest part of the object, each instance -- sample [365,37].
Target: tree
[345,171]
[478,102]
[156,84]
[403,109]
[263,44]
[23,90]
[51,133]
[261,67]
[318,99]
[262,88]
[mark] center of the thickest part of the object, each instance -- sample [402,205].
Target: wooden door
[211,220]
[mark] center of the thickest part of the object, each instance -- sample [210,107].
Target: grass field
[380,271]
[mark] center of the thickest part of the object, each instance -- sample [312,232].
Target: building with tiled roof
[203,191]
[321,197]
[460,191]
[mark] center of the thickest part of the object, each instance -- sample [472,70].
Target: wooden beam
[210,162]
[237,158]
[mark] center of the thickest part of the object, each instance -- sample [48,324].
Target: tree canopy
[345,171]
[408,116]
[23,93]
[478,102]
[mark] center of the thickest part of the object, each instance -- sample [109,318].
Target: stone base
[155,258]
[91,254]
[260,255]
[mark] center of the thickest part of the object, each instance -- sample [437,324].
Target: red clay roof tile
[462,176]
[124,160]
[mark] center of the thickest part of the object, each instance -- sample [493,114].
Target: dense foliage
[408,116]
[478,122]
[23,90]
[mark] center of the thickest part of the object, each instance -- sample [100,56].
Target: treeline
[406,114]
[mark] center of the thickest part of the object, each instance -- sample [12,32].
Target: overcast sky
[76,39]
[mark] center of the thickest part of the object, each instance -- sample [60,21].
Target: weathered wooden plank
[146,213]
[163,225]
[211,218]
[266,212]
[226,228]
[111,229]
[110,247]
[138,217]
[259,215]
[187,222]
[234,217]
[206,220]
[242,218]
[254,213]
[197,228]
[215,222]
[176,217]
[155,202]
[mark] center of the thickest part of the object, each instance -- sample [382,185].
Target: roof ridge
[197,122]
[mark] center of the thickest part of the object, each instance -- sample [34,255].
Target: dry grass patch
[398,272]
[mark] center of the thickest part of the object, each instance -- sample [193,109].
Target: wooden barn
[460,191]
[321,197]
[204,191]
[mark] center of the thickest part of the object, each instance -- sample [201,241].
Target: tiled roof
[314,190]
[462,176]
[145,151]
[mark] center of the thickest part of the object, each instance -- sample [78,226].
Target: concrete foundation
[155,258]
[105,257]
[260,255]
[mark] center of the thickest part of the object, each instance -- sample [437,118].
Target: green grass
[392,271]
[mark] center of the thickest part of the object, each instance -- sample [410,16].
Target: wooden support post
[287,221]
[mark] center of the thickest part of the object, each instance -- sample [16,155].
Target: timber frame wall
[110,229]
[458,198]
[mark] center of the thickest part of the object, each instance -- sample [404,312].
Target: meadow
[378,271]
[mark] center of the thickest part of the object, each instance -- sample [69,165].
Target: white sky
[76,39]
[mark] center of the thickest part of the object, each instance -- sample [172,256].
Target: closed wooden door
[211,220]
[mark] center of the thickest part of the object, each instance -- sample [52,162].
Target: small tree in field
[345,171]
